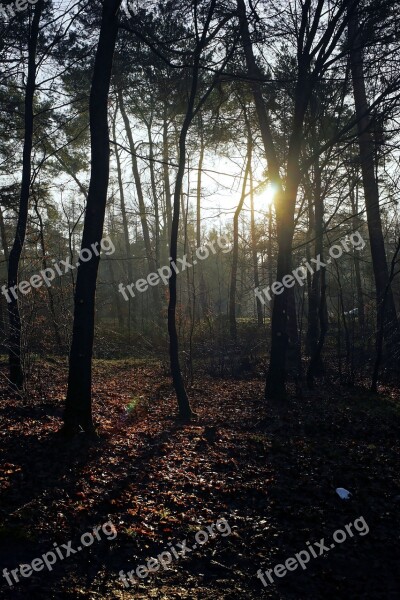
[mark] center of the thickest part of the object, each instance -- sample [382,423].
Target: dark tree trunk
[185,411]
[269,247]
[56,328]
[16,373]
[115,293]
[125,227]
[371,191]
[4,242]
[4,245]
[235,250]
[155,195]
[142,207]
[78,411]
[285,200]
[356,257]
[167,183]
[202,283]
[259,308]
[318,325]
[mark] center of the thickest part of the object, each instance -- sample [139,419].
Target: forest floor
[271,474]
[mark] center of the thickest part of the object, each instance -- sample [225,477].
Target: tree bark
[235,250]
[318,323]
[202,284]
[371,191]
[167,183]
[155,195]
[285,200]
[142,206]
[356,257]
[4,242]
[56,329]
[16,372]
[78,411]
[259,308]
[185,411]
[125,226]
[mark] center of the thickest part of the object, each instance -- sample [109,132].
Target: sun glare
[269,195]
[264,199]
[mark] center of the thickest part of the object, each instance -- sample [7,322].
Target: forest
[200,299]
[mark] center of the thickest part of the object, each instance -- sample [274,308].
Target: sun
[265,198]
[269,195]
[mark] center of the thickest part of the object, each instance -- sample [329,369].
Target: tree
[371,192]
[16,372]
[78,410]
[316,50]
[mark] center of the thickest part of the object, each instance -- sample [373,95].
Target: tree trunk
[356,258]
[167,183]
[285,200]
[371,191]
[202,284]
[312,283]
[125,225]
[155,195]
[185,411]
[259,308]
[115,293]
[318,325]
[142,207]
[4,245]
[4,242]
[56,329]
[235,250]
[16,373]
[78,411]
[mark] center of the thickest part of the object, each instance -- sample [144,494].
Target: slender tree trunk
[4,245]
[316,366]
[269,246]
[16,373]
[312,284]
[142,207]
[115,293]
[4,242]
[294,342]
[185,411]
[319,323]
[155,195]
[235,250]
[125,225]
[202,283]
[167,183]
[371,191]
[78,411]
[254,252]
[356,258]
[56,329]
